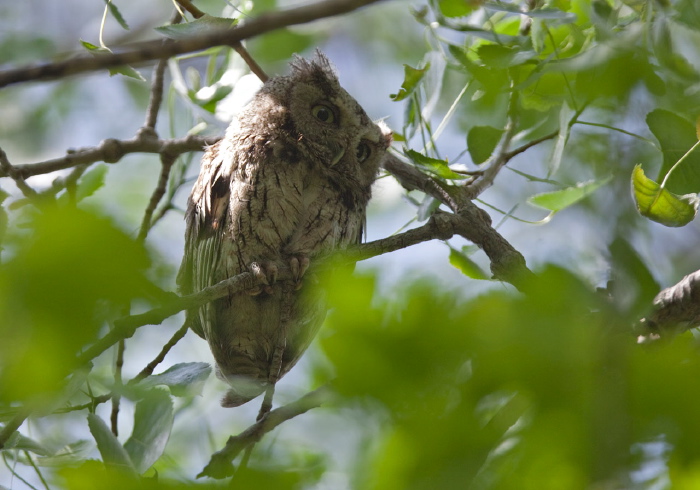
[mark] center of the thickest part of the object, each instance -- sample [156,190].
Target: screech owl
[290,180]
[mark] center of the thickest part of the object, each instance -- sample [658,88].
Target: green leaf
[412,76]
[20,442]
[458,8]
[676,136]
[125,70]
[557,200]
[566,114]
[660,205]
[481,141]
[203,25]
[93,48]
[542,13]
[465,265]
[182,379]
[433,165]
[116,14]
[72,453]
[89,183]
[153,422]
[499,56]
[112,452]
[280,45]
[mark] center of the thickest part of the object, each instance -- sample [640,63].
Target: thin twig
[156,95]
[237,46]
[91,404]
[15,474]
[219,465]
[167,161]
[116,398]
[16,175]
[153,50]
[36,469]
[148,370]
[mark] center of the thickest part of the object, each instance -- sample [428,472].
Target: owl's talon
[266,274]
[298,265]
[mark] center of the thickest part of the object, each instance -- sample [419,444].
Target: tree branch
[113,150]
[220,464]
[157,49]
[468,221]
[676,308]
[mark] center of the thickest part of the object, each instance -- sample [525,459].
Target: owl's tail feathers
[243,389]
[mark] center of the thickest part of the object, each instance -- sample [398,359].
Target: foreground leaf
[112,452]
[182,379]
[660,205]
[153,421]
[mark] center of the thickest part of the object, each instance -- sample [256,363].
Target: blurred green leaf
[89,183]
[153,422]
[55,295]
[113,453]
[280,45]
[203,25]
[540,13]
[557,200]
[458,8]
[19,442]
[412,77]
[660,205]
[69,454]
[465,265]
[116,14]
[481,141]
[183,379]
[676,136]
[125,70]
[499,56]
[435,166]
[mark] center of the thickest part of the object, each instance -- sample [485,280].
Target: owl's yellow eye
[363,152]
[323,113]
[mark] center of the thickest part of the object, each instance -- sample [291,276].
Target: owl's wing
[206,217]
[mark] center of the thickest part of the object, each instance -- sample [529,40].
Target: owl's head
[329,124]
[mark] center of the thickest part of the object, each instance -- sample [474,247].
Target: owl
[289,181]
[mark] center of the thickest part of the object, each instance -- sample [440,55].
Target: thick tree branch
[676,308]
[468,221]
[152,50]
[220,464]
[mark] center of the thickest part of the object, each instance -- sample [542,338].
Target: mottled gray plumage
[290,179]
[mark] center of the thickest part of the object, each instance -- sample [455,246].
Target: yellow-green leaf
[466,265]
[557,200]
[660,205]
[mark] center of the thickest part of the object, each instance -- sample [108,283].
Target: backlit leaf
[660,205]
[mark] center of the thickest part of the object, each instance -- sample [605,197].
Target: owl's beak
[340,151]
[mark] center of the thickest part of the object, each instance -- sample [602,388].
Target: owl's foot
[266,273]
[298,264]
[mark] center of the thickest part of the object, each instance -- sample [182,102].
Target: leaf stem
[675,165]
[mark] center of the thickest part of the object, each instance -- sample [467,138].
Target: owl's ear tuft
[318,69]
